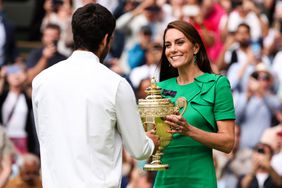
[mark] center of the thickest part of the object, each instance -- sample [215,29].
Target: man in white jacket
[85,113]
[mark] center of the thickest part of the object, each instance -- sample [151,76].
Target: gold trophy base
[156,167]
[156,164]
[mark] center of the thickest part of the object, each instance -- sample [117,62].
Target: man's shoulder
[44,75]
[112,76]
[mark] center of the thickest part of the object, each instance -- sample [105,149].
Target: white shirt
[261,177]
[15,127]
[276,162]
[84,114]
[277,65]
[235,68]
[251,19]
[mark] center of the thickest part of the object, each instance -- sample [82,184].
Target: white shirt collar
[84,54]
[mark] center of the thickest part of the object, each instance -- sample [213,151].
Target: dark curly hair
[90,24]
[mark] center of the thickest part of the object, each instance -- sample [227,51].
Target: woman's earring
[195,58]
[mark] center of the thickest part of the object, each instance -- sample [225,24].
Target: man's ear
[105,40]
[103,44]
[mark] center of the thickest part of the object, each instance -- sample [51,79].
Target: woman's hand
[178,124]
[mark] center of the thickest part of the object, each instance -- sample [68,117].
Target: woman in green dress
[207,123]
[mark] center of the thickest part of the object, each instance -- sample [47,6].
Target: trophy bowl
[153,110]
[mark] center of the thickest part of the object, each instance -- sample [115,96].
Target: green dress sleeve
[223,106]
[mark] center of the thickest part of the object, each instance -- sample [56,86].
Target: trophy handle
[181,103]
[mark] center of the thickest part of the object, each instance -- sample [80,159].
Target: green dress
[190,162]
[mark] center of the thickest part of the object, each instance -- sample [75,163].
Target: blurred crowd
[243,39]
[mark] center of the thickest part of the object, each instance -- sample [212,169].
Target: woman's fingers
[175,120]
[177,123]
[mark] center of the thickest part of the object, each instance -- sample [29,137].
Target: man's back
[78,124]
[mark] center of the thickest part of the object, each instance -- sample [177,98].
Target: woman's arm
[124,20]
[222,140]
[6,169]
[2,79]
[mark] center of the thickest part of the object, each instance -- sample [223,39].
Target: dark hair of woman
[167,71]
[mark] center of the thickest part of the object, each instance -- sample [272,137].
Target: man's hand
[49,51]
[151,134]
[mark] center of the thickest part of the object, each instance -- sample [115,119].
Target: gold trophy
[152,110]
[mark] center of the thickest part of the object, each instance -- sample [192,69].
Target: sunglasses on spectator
[261,77]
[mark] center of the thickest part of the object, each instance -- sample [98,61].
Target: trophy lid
[153,92]
[154,103]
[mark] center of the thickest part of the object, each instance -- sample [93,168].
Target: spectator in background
[273,137]
[173,9]
[79,3]
[226,5]
[267,7]
[256,106]
[59,12]
[136,55]
[29,176]
[276,63]
[262,174]
[150,68]
[146,13]
[46,56]
[141,89]
[247,12]
[110,4]
[6,154]
[16,108]
[276,161]
[37,17]
[8,48]
[240,60]
[210,24]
